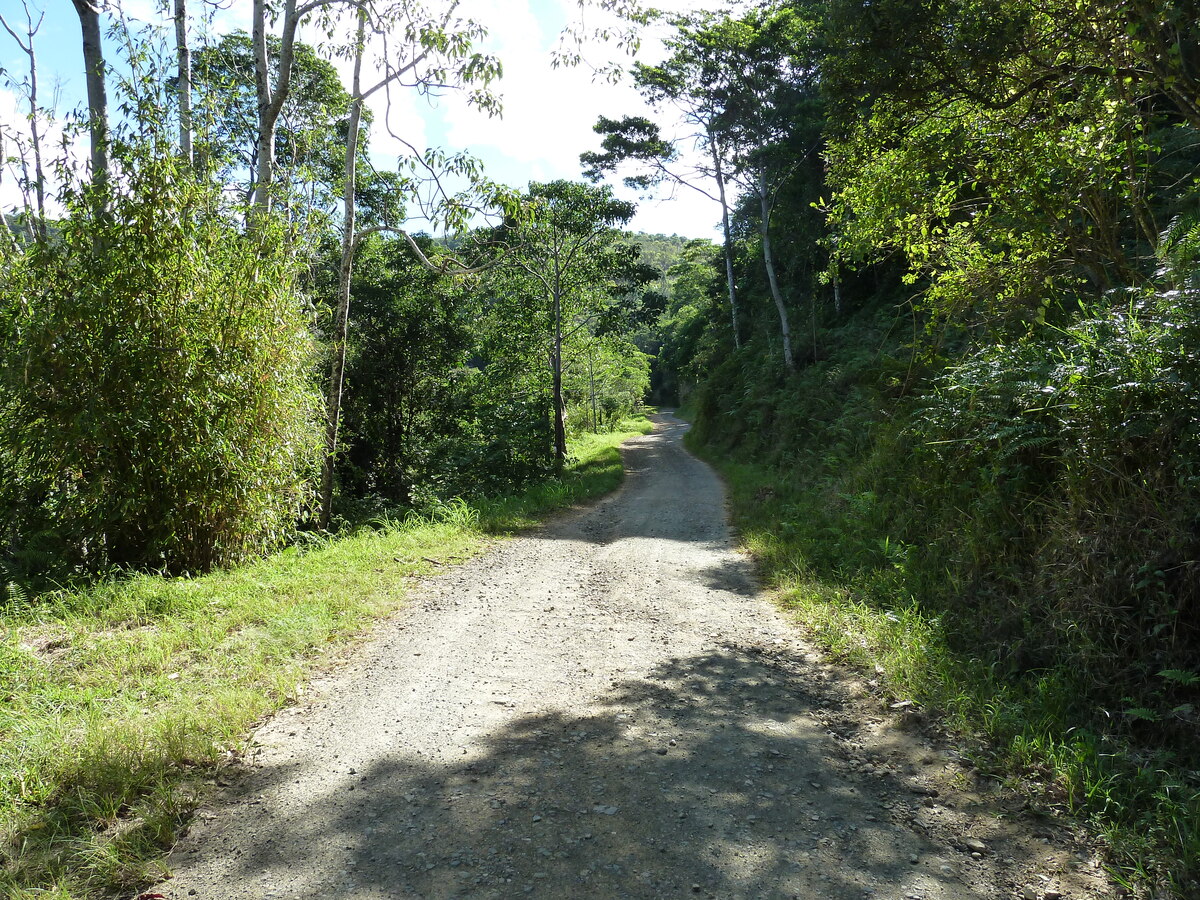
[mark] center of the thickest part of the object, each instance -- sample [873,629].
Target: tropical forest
[295,397]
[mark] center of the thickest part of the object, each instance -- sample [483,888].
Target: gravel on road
[611,707]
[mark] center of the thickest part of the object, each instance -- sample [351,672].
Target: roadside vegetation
[947,351]
[244,396]
[948,358]
[122,700]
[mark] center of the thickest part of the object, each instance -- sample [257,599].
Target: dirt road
[610,708]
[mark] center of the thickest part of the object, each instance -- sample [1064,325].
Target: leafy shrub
[156,407]
[1068,461]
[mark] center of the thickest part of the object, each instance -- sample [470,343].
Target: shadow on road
[703,779]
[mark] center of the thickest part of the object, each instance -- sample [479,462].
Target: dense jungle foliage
[948,348]
[168,336]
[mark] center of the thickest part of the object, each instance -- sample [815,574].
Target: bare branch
[460,268]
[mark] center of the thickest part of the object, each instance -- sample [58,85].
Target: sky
[547,119]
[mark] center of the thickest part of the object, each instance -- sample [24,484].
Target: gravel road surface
[609,707]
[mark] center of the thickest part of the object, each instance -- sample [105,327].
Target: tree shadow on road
[706,778]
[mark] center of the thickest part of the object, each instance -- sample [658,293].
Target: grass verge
[1030,731]
[118,701]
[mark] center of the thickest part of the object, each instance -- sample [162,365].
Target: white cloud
[17,141]
[549,113]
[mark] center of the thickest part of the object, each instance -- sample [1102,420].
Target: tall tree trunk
[333,400]
[270,98]
[769,261]
[183,87]
[560,409]
[35,132]
[592,384]
[35,136]
[93,64]
[720,175]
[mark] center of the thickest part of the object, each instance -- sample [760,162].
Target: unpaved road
[609,708]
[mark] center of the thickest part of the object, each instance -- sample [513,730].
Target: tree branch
[416,248]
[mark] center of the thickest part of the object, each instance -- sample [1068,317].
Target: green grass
[1030,730]
[118,702]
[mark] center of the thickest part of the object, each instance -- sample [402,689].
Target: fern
[1180,676]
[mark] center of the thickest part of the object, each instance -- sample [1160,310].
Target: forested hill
[946,349]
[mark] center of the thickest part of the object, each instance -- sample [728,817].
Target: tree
[771,118]
[309,148]
[97,94]
[183,77]
[684,329]
[684,82]
[435,50]
[740,83]
[35,112]
[410,395]
[1020,159]
[580,269]
[272,93]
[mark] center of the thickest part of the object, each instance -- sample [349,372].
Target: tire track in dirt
[609,707]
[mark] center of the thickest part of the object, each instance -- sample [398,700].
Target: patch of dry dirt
[610,708]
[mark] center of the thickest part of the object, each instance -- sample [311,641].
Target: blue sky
[548,113]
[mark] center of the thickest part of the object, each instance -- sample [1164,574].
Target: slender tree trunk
[333,400]
[93,64]
[560,410]
[35,132]
[264,150]
[769,261]
[183,87]
[35,135]
[720,175]
[592,380]
[270,99]
[813,312]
